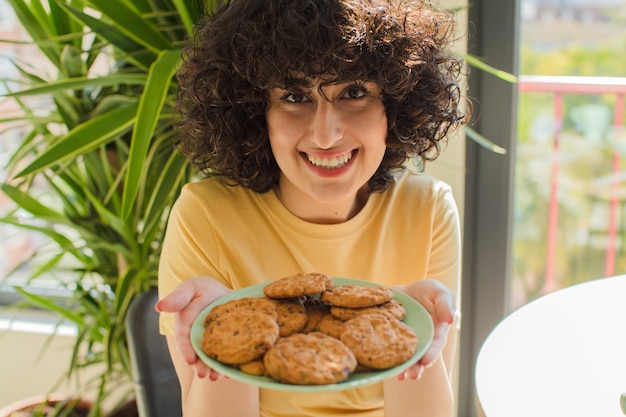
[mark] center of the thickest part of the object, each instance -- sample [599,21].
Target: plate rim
[362,379]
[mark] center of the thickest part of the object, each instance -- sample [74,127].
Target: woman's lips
[330,166]
[333,162]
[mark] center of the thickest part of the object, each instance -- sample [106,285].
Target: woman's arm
[426,388]
[212,395]
[430,395]
[440,303]
[204,392]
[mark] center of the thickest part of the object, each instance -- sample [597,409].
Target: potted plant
[60,404]
[95,171]
[46,405]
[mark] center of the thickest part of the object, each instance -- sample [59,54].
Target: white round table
[563,354]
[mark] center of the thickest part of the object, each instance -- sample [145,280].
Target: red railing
[558,86]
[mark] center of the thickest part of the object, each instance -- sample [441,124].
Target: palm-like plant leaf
[150,108]
[85,137]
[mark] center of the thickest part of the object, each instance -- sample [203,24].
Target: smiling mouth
[330,163]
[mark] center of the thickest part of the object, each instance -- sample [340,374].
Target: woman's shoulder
[414,191]
[214,197]
[411,181]
[213,188]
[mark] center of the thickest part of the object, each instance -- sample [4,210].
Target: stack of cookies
[308,331]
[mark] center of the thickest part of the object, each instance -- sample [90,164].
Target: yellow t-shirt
[406,233]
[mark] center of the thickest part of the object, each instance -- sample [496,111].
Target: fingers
[195,293]
[439,341]
[187,301]
[177,299]
[203,371]
[182,296]
[439,301]
[435,296]
[414,373]
[444,306]
[182,336]
[442,312]
[441,305]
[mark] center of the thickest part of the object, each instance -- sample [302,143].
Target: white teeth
[335,162]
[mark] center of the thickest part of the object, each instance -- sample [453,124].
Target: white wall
[450,166]
[31,360]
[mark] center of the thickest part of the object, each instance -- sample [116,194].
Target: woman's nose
[327,125]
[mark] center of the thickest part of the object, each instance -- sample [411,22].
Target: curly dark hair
[247,47]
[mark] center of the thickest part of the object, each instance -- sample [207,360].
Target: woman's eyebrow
[298,83]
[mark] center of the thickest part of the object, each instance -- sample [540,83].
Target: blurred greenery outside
[587,140]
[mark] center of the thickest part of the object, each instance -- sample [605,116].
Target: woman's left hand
[441,305]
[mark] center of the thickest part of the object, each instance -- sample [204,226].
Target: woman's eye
[295,98]
[355,91]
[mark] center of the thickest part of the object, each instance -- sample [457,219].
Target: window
[489,185]
[569,201]
[16,244]
[489,278]
[7,17]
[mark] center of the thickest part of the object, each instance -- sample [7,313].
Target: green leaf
[33,18]
[135,26]
[150,107]
[87,136]
[61,240]
[28,203]
[49,305]
[185,14]
[81,82]
[64,25]
[67,109]
[134,52]
[123,291]
[163,195]
[481,65]
[71,62]
[114,221]
[483,141]
[47,266]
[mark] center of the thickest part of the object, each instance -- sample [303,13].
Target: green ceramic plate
[416,317]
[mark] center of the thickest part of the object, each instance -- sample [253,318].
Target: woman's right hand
[187,301]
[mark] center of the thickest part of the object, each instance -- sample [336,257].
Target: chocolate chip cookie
[379,341]
[357,296]
[309,359]
[239,336]
[298,285]
[393,308]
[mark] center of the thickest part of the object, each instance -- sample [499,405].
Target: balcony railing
[559,86]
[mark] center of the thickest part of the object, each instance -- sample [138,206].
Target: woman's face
[328,144]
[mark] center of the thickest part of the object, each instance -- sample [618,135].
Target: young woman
[303,115]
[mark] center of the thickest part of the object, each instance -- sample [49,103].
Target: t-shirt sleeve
[445,257]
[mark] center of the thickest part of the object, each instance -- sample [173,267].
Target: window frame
[489,185]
